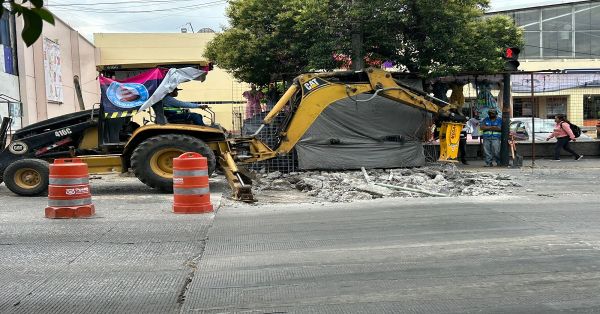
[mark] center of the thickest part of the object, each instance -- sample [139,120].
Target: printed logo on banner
[178,180]
[127,95]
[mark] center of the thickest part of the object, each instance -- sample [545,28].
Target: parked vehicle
[521,128]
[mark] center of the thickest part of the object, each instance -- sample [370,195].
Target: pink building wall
[78,57]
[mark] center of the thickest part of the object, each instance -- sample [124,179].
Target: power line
[113,3]
[166,9]
[163,9]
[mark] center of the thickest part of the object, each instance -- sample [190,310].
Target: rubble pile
[348,186]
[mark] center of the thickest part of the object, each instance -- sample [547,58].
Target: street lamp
[184,28]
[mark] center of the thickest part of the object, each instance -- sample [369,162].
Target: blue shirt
[492,134]
[169,101]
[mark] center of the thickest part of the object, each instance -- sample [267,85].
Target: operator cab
[115,128]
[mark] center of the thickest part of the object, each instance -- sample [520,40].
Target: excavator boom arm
[319,90]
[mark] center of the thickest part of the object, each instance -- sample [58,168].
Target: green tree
[276,39]
[262,44]
[34,14]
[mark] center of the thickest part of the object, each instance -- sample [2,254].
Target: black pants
[563,142]
[462,150]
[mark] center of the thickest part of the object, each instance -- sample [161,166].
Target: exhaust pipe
[78,92]
[6,122]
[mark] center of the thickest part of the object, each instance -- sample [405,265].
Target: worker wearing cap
[492,132]
[173,109]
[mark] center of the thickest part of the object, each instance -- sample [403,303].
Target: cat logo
[18,148]
[313,85]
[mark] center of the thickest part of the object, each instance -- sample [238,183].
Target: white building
[559,35]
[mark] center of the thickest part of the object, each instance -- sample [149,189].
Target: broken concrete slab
[347,186]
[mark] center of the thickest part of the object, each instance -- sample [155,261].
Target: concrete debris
[348,186]
[273,175]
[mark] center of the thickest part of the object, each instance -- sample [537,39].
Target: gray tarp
[377,134]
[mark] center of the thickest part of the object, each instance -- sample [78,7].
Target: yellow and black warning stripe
[121,114]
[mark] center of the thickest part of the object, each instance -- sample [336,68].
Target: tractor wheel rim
[161,162]
[28,178]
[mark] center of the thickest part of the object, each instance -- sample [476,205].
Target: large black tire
[150,159]
[27,177]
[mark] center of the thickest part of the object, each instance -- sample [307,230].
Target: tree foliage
[34,14]
[275,39]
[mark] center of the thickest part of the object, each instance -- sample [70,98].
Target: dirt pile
[347,186]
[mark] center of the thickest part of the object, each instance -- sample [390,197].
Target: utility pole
[357,42]
[504,148]
[511,64]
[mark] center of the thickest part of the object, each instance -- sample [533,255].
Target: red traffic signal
[511,57]
[511,53]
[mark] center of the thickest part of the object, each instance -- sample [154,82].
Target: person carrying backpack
[564,134]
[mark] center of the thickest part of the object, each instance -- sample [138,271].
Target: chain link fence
[541,95]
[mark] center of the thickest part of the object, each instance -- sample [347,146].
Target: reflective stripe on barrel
[190,173]
[191,191]
[61,181]
[76,202]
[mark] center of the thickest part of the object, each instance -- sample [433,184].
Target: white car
[522,129]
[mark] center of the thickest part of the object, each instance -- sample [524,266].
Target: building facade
[10,105]
[220,90]
[559,35]
[36,83]
[46,70]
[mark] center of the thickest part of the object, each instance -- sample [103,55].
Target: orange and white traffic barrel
[69,194]
[191,192]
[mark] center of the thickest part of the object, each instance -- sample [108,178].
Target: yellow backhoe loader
[110,141]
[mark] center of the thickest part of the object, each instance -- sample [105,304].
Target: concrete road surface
[134,256]
[534,251]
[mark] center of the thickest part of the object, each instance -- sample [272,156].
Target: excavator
[112,142]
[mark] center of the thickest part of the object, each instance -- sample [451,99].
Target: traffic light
[511,58]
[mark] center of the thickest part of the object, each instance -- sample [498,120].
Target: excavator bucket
[449,140]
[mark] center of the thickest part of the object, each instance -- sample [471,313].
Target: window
[587,17]
[591,107]
[557,19]
[7,62]
[557,44]
[564,31]
[5,30]
[587,44]
[522,107]
[529,20]
[532,45]
[556,105]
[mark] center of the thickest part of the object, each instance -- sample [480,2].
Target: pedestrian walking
[253,97]
[491,127]
[563,134]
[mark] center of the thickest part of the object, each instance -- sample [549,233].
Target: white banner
[52,64]
[172,79]
[551,82]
